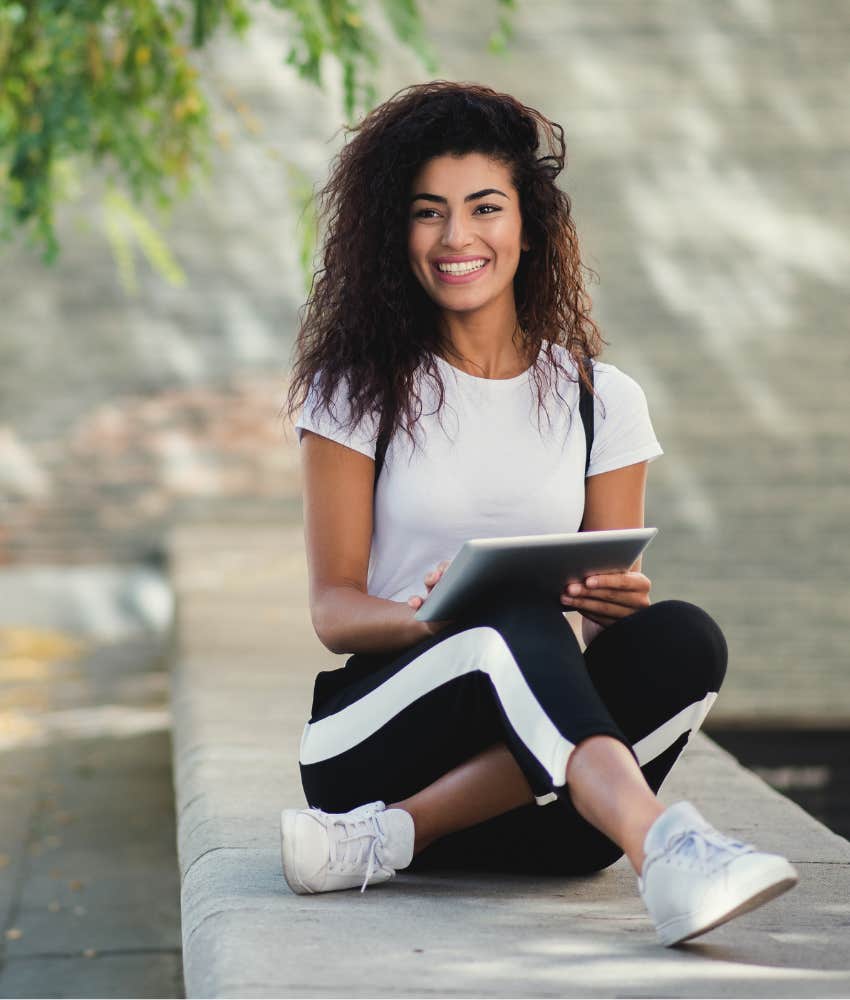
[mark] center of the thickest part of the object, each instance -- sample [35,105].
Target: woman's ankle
[637,836]
[422,837]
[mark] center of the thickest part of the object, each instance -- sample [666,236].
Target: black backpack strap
[381,450]
[585,408]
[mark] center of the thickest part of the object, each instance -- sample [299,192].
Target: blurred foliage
[111,82]
[98,82]
[301,193]
[127,227]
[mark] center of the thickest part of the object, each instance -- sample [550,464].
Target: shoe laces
[354,842]
[706,848]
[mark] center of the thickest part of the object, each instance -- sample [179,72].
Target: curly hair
[372,326]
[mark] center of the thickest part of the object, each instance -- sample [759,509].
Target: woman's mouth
[461,273]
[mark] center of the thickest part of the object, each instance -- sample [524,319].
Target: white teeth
[464,268]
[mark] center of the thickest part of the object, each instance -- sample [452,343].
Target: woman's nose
[455,233]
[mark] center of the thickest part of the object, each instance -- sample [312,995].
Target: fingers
[619,581]
[608,595]
[598,609]
[435,574]
[624,598]
[622,588]
[431,579]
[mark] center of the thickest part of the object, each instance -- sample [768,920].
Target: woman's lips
[460,279]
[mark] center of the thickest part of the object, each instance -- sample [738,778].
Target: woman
[450,312]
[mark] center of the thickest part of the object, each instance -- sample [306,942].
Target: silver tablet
[542,565]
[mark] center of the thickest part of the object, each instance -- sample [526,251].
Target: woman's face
[465,232]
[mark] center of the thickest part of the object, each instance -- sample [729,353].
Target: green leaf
[405,20]
[303,199]
[122,221]
[499,39]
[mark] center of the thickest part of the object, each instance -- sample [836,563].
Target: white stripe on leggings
[690,718]
[482,648]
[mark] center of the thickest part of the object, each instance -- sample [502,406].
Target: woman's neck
[479,352]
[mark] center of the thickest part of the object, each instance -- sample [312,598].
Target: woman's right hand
[416,601]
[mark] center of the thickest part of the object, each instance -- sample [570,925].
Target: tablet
[537,565]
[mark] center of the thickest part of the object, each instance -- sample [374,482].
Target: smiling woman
[452,288]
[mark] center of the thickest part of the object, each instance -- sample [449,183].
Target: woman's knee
[690,635]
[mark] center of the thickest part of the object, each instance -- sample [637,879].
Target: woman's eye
[423,212]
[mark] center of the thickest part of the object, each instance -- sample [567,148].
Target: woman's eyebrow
[470,197]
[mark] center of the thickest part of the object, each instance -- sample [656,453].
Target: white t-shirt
[489,470]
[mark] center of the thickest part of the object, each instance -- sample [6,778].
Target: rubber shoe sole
[762,887]
[287,841]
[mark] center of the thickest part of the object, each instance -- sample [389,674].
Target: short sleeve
[623,431]
[334,425]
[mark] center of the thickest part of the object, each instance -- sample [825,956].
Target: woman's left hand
[604,598]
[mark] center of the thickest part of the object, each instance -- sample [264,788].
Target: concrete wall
[709,157]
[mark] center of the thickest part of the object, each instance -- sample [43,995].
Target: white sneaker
[695,878]
[326,851]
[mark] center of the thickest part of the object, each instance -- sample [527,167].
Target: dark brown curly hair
[373,325]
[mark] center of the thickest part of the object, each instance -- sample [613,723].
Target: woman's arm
[338,486]
[615,499]
[612,500]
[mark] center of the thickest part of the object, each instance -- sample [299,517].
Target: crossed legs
[606,785]
[506,749]
[453,760]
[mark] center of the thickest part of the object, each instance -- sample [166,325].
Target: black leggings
[384,726]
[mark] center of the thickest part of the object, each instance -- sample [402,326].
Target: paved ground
[89,888]
[244,663]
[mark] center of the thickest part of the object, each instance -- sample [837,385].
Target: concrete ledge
[244,655]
